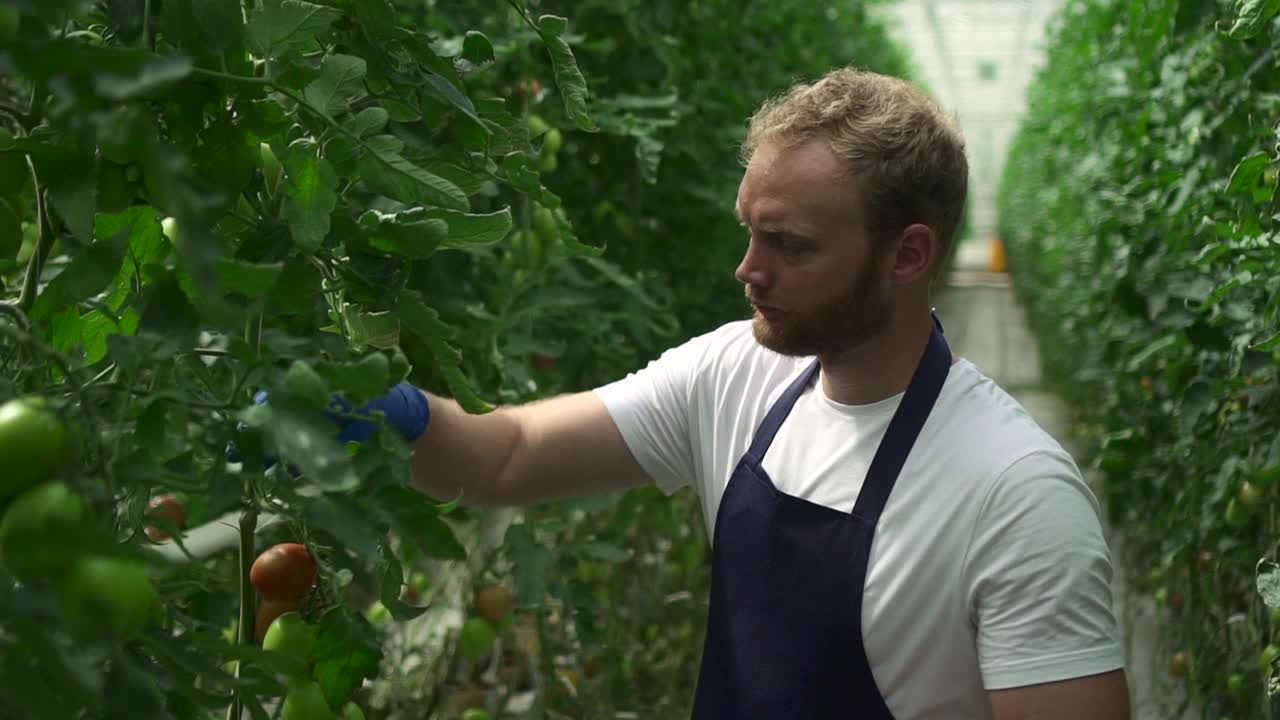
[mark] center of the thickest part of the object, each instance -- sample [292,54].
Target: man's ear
[917,251]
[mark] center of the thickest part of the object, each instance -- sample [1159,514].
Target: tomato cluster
[95,591]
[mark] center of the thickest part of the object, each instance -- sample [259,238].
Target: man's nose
[752,271]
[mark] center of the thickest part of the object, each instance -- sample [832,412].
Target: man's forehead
[793,185]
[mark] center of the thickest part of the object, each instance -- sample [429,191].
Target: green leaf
[341,83]
[531,564]
[368,121]
[310,197]
[467,230]
[392,585]
[74,191]
[283,27]
[371,329]
[387,172]
[476,48]
[412,234]
[1247,173]
[573,87]
[207,26]
[169,314]
[1269,583]
[88,273]
[425,323]
[417,521]
[552,24]
[1251,17]
[253,280]
[346,522]
[307,439]
[1269,344]
[358,382]
[347,652]
[111,73]
[305,384]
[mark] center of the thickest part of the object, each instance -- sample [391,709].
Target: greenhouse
[607,359]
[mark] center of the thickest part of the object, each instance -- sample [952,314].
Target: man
[892,535]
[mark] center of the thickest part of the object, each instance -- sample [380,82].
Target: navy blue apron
[784,632]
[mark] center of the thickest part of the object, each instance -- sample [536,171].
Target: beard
[856,314]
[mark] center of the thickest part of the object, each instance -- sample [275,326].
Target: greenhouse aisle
[985,324]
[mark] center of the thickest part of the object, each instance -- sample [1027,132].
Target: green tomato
[32,443]
[537,126]
[1249,493]
[552,142]
[378,614]
[352,711]
[1235,685]
[1267,659]
[34,517]
[305,701]
[477,638]
[290,635]
[548,163]
[106,591]
[544,224]
[1237,516]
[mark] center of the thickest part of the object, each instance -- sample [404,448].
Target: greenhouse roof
[976,57]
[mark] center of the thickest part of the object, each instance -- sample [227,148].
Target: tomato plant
[203,199]
[1141,223]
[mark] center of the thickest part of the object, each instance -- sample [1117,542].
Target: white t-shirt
[988,570]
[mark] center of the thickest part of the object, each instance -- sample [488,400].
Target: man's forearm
[551,449]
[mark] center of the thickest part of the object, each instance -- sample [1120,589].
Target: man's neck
[882,366]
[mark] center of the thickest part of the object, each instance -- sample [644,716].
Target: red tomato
[284,572]
[168,507]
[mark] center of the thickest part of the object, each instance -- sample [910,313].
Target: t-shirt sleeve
[1039,577]
[652,409]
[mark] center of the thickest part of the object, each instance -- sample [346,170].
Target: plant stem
[44,243]
[146,25]
[246,633]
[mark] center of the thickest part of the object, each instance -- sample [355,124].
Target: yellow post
[997,260]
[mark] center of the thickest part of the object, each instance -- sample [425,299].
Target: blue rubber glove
[404,406]
[406,409]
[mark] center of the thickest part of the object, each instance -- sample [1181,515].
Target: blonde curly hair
[906,154]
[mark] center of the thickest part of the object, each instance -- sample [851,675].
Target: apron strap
[905,427]
[769,428]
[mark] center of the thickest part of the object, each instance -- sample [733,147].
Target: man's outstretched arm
[566,446]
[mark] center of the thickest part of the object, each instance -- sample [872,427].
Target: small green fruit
[290,635]
[477,638]
[1267,659]
[305,701]
[1235,685]
[29,532]
[109,591]
[552,142]
[352,711]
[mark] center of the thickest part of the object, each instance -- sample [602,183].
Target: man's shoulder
[993,428]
